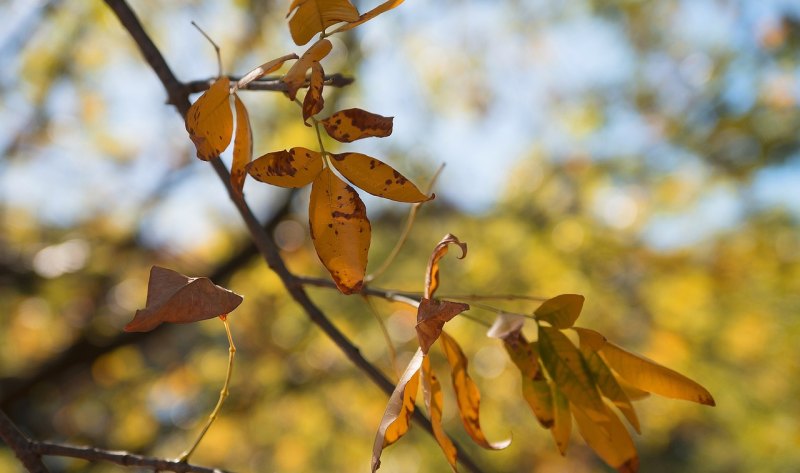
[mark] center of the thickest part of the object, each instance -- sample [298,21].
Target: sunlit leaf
[383,7]
[313,16]
[340,230]
[173,297]
[296,76]
[432,272]
[294,168]
[377,178]
[434,400]
[354,124]
[313,101]
[242,146]
[610,440]
[467,394]
[395,421]
[209,121]
[562,420]
[431,317]
[535,387]
[264,69]
[561,311]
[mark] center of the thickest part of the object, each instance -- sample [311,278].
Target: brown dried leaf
[313,16]
[431,316]
[173,297]
[313,101]
[242,146]
[354,124]
[296,77]
[340,230]
[377,178]
[432,273]
[209,121]
[561,311]
[383,7]
[294,168]
[434,400]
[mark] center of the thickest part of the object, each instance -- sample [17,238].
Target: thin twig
[21,445]
[216,47]
[268,83]
[386,337]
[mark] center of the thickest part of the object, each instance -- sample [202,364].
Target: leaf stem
[216,48]
[223,394]
[319,134]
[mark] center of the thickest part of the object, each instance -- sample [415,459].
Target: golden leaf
[354,124]
[562,420]
[264,69]
[611,441]
[431,317]
[209,121]
[560,311]
[383,7]
[434,399]
[340,230]
[467,395]
[242,146]
[173,297]
[313,101]
[294,168]
[313,16]
[296,77]
[432,273]
[377,178]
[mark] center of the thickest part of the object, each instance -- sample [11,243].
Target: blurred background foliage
[644,154]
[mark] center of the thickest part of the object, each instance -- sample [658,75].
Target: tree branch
[21,445]
[269,83]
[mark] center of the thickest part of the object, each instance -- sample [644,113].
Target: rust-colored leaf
[434,400]
[173,297]
[535,387]
[562,420]
[432,273]
[431,317]
[242,146]
[313,101]
[397,416]
[209,121]
[467,395]
[313,16]
[296,77]
[264,69]
[383,7]
[561,311]
[340,230]
[354,124]
[610,440]
[294,168]
[377,178]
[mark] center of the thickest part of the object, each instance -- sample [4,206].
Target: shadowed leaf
[313,101]
[377,178]
[264,69]
[296,76]
[535,387]
[431,316]
[340,230]
[561,311]
[294,168]
[383,7]
[313,16]
[173,297]
[610,440]
[210,121]
[434,400]
[242,146]
[562,420]
[354,124]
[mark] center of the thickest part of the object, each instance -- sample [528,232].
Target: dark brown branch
[269,83]
[178,95]
[21,445]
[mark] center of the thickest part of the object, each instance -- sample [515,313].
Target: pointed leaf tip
[561,311]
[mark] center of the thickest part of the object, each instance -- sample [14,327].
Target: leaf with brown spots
[396,418]
[173,297]
[294,168]
[610,440]
[354,124]
[535,388]
[467,395]
[264,69]
[313,16]
[432,273]
[431,317]
[561,311]
[340,230]
[296,77]
[209,121]
[383,7]
[377,178]
[434,400]
[242,146]
[313,101]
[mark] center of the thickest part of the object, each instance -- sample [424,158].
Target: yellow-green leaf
[210,121]
[561,311]
[294,168]
[434,400]
[340,230]
[313,16]
[610,440]
[383,7]
[264,69]
[354,124]
[313,101]
[242,146]
[467,395]
[377,178]
[296,76]
[562,420]
[535,387]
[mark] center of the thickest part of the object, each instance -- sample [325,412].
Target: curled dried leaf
[296,77]
[432,273]
[355,124]
[242,146]
[313,16]
[294,168]
[264,69]
[377,178]
[431,317]
[209,121]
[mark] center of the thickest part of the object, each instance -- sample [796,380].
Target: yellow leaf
[560,311]
[313,101]
[434,400]
[562,425]
[354,124]
[432,273]
[431,317]
[566,367]
[611,441]
[340,230]
[535,387]
[210,121]
[296,77]
[377,178]
[467,394]
[294,168]
[383,7]
[242,146]
[313,16]
[395,421]
[264,69]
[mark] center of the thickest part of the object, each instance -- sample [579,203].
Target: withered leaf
[242,146]
[313,16]
[432,272]
[173,297]
[209,121]
[377,178]
[294,168]
[264,69]
[610,440]
[340,230]
[296,77]
[313,101]
[561,311]
[434,401]
[354,124]
[383,7]
[431,317]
